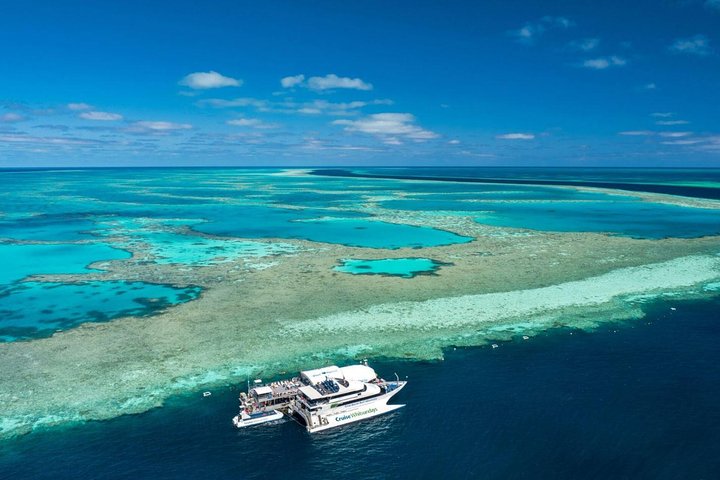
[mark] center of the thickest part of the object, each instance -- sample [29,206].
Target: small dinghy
[245,419]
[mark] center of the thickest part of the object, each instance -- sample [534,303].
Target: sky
[372,82]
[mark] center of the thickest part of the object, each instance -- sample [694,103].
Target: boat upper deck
[273,393]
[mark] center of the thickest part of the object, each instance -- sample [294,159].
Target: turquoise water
[252,204]
[633,219]
[47,228]
[162,215]
[172,248]
[614,214]
[457,198]
[187,248]
[396,267]
[38,309]
[19,261]
[322,226]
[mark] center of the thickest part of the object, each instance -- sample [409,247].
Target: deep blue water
[631,401]
[667,176]
[691,182]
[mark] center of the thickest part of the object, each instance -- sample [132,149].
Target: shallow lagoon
[168,245]
[172,248]
[345,231]
[394,267]
[21,261]
[38,309]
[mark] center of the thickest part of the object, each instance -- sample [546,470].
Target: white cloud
[649,133]
[101,116]
[585,44]
[470,153]
[697,45]
[650,86]
[662,114]
[637,133]
[604,62]
[532,30]
[236,102]
[527,33]
[309,111]
[390,127]
[79,106]
[160,126]
[454,142]
[328,82]
[316,144]
[244,122]
[323,107]
[332,81]
[250,122]
[289,82]
[675,134]
[11,117]
[44,140]
[315,107]
[683,142]
[708,142]
[671,122]
[516,136]
[711,143]
[561,22]
[206,80]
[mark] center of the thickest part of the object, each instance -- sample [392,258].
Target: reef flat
[276,303]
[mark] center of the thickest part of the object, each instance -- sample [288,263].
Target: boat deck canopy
[262,390]
[319,374]
[359,373]
[311,393]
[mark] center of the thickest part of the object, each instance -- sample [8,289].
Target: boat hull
[336,417]
[242,421]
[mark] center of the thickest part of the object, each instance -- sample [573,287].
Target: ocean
[104,269]
[632,400]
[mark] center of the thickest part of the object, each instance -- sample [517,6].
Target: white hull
[246,420]
[347,414]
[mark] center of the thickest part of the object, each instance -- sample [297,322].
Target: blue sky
[603,83]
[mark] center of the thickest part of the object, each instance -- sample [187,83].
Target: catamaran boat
[321,399]
[335,396]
